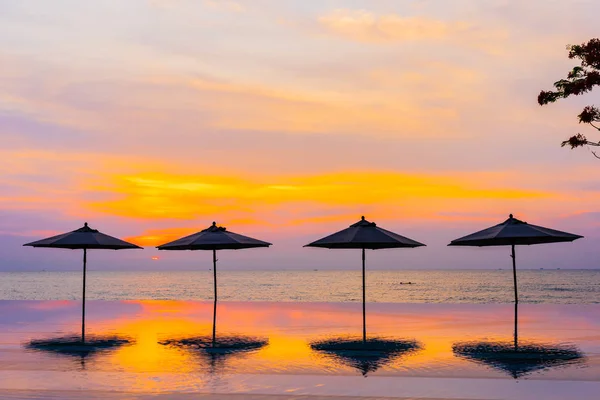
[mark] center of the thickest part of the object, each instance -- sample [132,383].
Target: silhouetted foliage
[580,80]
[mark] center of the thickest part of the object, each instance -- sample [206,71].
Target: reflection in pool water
[222,345]
[73,346]
[366,356]
[174,337]
[211,354]
[519,358]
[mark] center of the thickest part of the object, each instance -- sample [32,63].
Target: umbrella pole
[214,332]
[515,273]
[83,298]
[364,299]
[516,327]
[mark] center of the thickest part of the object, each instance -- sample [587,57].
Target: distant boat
[315,269]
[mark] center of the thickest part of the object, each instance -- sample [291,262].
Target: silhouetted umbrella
[84,238]
[214,238]
[514,232]
[364,235]
[516,358]
[353,352]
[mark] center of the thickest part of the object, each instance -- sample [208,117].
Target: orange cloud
[364,26]
[293,199]
[56,185]
[291,109]
[288,203]
[152,102]
[155,237]
[368,27]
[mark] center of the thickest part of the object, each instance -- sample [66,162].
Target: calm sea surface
[535,286]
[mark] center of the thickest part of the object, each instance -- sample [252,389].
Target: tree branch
[581,79]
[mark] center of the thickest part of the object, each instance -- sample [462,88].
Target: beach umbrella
[364,235]
[514,232]
[84,238]
[214,238]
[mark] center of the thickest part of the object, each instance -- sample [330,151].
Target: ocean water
[454,286]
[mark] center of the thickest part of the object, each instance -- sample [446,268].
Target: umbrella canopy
[513,232]
[83,238]
[364,235]
[214,238]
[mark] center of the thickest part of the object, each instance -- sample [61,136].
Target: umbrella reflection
[364,356]
[73,346]
[519,358]
[213,353]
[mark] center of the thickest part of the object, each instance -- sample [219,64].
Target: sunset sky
[288,120]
